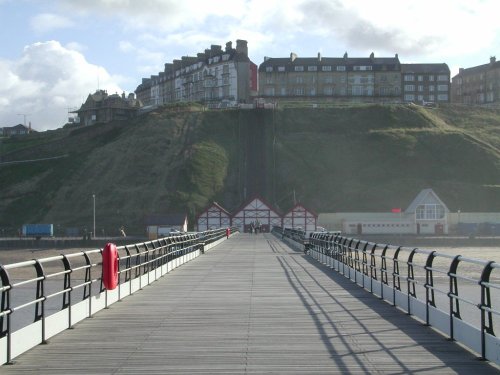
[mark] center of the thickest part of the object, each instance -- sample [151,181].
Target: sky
[54,53]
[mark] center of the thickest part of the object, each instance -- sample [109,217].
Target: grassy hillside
[351,158]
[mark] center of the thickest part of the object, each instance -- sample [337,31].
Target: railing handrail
[355,255]
[148,256]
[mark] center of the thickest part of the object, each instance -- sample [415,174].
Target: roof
[298,205]
[271,208]
[377,63]
[425,68]
[165,219]
[15,127]
[425,196]
[479,68]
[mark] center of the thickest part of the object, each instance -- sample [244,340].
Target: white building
[300,217]
[256,212]
[426,214]
[213,217]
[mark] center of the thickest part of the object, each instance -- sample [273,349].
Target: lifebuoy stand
[228,232]
[110,266]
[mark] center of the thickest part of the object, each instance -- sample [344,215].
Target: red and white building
[300,217]
[213,217]
[256,212]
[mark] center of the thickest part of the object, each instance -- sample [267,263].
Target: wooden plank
[251,305]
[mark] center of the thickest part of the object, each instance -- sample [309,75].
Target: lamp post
[93,199]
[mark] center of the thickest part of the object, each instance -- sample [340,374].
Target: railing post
[410,280]
[429,286]
[40,294]
[6,287]
[453,292]
[67,286]
[485,304]
[88,279]
[384,279]
[395,272]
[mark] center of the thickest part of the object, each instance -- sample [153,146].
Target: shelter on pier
[256,212]
[213,217]
[300,217]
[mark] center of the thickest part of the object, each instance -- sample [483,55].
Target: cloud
[165,15]
[46,81]
[46,22]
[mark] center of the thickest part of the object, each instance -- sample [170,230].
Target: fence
[57,292]
[458,296]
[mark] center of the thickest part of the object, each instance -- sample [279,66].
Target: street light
[93,198]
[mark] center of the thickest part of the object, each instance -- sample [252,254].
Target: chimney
[216,49]
[319,56]
[242,47]
[229,46]
[396,56]
[123,95]
[345,55]
[293,56]
[207,53]
[266,58]
[493,59]
[29,129]
[372,56]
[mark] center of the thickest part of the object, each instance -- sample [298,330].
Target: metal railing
[459,296]
[65,289]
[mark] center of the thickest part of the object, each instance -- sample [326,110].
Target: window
[269,68]
[443,77]
[281,68]
[429,212]
[431,78]
[328,90]
[312,68]
[442,87]
[443,97]
[409,97]
[328,79]
[420,78]
[432,88]
[362,67]
[326,68]
[341,68]
[420,88]
[269,79]
[299,79]
[269,91]
[409,87]
[225,57]
[299,91]
[409,77]
[299,68]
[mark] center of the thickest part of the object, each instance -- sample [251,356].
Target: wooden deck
[251,305]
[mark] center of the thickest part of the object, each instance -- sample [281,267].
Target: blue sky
[55,52]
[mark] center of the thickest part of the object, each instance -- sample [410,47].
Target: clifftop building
[352,79]
[216,76]
[326,77]
[479,85]
[101,107]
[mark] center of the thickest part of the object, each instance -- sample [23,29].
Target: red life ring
[110,266]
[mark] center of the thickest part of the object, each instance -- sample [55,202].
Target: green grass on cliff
[349,158]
